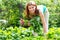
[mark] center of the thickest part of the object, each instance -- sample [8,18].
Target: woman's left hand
[29,23]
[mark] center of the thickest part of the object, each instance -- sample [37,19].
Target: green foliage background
[11,10]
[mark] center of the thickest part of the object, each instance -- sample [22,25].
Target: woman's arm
[43,21]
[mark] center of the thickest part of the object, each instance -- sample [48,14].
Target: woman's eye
[32,7]
[29,8]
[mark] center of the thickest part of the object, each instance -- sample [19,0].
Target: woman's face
[31,9]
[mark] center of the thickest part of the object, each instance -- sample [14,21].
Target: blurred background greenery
[11,12]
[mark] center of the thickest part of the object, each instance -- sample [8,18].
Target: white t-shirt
[42,8]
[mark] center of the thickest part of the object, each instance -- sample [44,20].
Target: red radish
[22,22]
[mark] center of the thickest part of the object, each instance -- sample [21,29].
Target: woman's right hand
[21,21]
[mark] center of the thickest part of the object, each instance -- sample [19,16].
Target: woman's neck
[31,15]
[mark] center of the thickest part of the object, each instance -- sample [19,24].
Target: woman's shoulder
[41,6]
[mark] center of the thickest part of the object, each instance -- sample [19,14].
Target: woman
[32,9]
